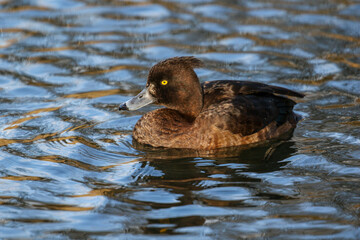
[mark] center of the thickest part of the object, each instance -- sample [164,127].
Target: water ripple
[69,168]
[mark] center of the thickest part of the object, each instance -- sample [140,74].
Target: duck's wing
[230,89]
[245,108]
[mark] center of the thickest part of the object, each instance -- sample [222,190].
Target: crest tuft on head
[187,61]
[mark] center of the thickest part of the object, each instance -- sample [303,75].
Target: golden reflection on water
[94,94]
[17,122]
[353,123]
[55,49]
[61,207]
[25,8]
[24,178]
[95,192]
[112,69]
[334,106]
[70,162]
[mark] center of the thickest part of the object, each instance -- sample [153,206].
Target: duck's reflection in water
[173,183]
[184,163]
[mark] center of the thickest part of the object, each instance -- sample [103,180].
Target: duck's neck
[191,102]
[192,113]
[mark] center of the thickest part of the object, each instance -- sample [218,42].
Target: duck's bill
[142,99]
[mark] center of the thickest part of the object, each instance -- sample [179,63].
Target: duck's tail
[286,114]
[297,117]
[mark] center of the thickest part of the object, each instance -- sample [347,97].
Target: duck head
[174,84]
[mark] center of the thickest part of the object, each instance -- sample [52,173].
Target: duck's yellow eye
[164,82]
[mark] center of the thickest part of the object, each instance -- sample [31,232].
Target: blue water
[69,169]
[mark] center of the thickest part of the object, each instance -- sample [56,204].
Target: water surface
[69,169]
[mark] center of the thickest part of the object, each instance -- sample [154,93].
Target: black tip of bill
[123,107]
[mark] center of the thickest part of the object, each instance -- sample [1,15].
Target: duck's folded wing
[245,108]
[230,89]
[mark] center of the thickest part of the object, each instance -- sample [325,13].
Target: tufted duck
[210,115]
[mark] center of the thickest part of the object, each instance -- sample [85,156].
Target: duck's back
[243,112]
